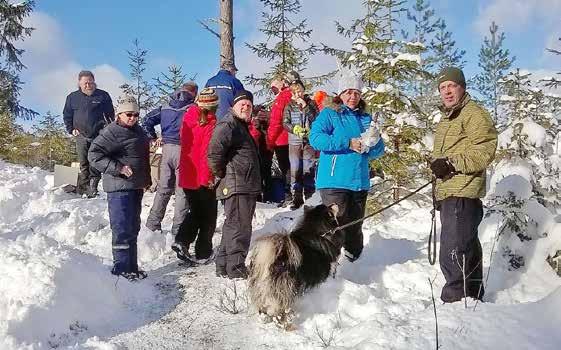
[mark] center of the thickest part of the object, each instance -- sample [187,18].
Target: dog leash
[432,240]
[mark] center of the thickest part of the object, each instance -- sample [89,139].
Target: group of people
[218,147]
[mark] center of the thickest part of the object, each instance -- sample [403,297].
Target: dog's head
[320,218]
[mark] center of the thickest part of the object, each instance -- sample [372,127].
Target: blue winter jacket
[339,166]
[169,117]
[226,86]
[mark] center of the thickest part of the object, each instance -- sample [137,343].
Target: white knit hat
[127,104]
[349,80]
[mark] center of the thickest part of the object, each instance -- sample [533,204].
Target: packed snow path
[57,292]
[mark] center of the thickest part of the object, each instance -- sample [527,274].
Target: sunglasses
[132,115]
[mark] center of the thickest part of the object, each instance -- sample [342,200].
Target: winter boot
[297,200]
[182,251]
[91,192]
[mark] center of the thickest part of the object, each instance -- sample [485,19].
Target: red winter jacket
[193,165]
[276,135]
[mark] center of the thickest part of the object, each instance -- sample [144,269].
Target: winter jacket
[276,134]
[226,86]
[339,166]
[169,117]
[195,138]
[117,146]
[88,114]
[293,115]
[466,136]
[233,157]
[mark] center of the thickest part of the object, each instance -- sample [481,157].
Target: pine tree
[55,145]
[554,82]
[12,30]
[495,62]
[445,53]
[530,133]
[387,66]
[140,88]
[166,84]
[280,47]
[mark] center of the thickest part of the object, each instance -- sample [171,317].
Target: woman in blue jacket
[343,171]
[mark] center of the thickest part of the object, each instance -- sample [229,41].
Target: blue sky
[74,35]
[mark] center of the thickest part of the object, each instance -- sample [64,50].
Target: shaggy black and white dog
[283,266]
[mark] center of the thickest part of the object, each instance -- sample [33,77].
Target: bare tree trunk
[226,32]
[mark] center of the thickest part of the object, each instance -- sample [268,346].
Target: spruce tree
[554,82]
[530,133]
[140,88]
[281,47]
[495,62]
[12,30]
[443,47]
[387,65]
[168,82]
[55,144]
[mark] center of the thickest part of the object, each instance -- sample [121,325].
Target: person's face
[351,98]
[243,109]
[87,85]
[450,93]
[297,91]
[128,119]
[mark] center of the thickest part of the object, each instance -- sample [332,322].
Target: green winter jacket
[466,136]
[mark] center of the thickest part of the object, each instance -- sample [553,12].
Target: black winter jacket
[88,114]
[117,146]
[233,158]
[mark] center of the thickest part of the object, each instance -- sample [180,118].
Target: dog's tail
[274,255]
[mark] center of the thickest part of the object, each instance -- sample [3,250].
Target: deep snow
[57,292]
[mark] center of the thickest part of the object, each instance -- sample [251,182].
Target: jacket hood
[180,99]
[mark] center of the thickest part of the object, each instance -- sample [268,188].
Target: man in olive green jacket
[464,145]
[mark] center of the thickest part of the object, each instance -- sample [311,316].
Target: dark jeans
[352,205]
[236,235]
[89,176]
[200,224]
[302,161]
[284,164]
[124,218]
[460,218]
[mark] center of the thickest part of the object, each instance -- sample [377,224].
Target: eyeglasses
[132,115]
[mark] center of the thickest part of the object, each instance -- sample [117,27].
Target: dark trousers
[124,218]
[302,178]
[200,224]
[460,218]
[236,235]
[352,205]
[284,164]
[89,176]
[266,164]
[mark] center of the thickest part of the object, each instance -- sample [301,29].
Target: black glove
[442,168]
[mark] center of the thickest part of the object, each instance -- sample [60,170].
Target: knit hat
[127,104]
[452,74]
[293,77]
[207,98]
[243,95]
[349,80]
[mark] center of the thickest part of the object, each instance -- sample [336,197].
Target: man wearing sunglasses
[86,111]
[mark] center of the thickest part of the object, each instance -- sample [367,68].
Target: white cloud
[52,71]
[517,15]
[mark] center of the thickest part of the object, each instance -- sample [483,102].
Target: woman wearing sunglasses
[121,153]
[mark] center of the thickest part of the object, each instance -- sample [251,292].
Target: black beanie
[243,95]
[452,74]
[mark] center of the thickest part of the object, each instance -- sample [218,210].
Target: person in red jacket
[196,179]
[277,136]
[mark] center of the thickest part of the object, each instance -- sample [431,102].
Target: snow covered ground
[57,292]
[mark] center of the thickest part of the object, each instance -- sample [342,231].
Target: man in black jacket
[85,113]
[234,160]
